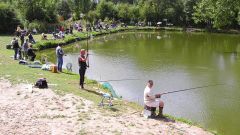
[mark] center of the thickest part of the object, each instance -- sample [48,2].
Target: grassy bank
[61,83]
[78,36]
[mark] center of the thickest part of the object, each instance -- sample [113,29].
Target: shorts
[153,103]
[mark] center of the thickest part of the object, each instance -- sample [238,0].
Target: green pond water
[174,61]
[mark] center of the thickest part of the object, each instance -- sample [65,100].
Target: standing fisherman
[59,53]
[82,61]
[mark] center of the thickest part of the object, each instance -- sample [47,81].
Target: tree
[30,10]
[106,9]
[135,13]
[9,20]
[189,10]
[157,10]
[92,16]
[63,9]
[217,13]
[148,12]
[124,13]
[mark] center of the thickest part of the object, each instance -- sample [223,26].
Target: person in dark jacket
[31,53]
[59,54]
[22,37]
[15,47]
[82,61]
[31,39]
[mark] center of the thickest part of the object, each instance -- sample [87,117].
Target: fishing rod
[118,80]
[188,89]
[87,46]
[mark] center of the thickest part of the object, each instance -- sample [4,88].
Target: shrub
[48,44]
[40,26]
[69,39]
[8,21]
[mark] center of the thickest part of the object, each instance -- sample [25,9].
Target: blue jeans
[32,41]
[15,53]
[59,63]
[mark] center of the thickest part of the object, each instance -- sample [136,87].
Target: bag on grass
[41,83]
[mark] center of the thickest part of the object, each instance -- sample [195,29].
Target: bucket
[53,68]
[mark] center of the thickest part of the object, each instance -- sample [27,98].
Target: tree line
[212,14]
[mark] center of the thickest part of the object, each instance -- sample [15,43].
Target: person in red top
[82,61]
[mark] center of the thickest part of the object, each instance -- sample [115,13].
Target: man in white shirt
[151,100]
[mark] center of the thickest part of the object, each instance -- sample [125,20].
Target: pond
[174,61]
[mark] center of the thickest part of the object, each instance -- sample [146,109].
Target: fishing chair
[106,96]
[149,111]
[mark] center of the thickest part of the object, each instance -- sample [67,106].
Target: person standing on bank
[25,49]
[15,47]
[59,54]
[151,100]
[82,61]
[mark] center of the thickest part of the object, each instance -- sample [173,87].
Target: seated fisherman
[44,36]
[31,53]
[150,99]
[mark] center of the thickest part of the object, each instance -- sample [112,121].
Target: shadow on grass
[165,119]
[110,108]
[68,73]
[113,109]
[92,91]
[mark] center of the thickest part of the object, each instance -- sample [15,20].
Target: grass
[65,82]
[51,43]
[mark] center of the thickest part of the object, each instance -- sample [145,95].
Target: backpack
[41,83]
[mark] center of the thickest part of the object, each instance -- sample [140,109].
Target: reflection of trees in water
[148,51]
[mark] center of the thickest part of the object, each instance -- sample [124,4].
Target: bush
[69,39]
[40,26]
[48,44]
[8,21]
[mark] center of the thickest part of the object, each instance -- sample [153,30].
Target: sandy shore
[30,111]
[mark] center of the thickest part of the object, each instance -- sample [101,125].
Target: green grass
[63,82]
[50,43]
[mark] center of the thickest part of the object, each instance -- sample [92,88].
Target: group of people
[21,33]
[23,51]
[78,27]
[58,35]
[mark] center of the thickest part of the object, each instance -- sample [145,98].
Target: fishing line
[118,80]
[188,89]
[87,46]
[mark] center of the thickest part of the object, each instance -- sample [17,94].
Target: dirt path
[29,111]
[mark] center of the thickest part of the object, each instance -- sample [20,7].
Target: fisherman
[59,54]
[151,101]
[15,47]
[82,61]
